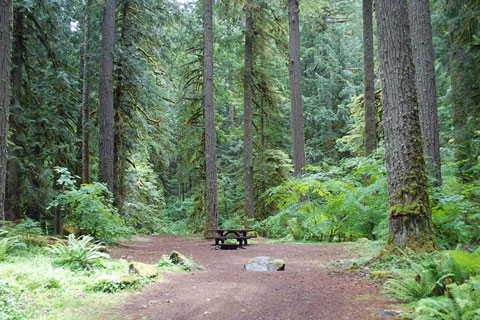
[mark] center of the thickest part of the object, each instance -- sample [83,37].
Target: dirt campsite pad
[307,289]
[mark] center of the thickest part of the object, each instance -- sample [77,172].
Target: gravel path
[305,290]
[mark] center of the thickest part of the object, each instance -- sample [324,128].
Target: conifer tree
[410,214]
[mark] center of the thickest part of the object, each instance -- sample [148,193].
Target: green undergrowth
[437,285]
[34,286]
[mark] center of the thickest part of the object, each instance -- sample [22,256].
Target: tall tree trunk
[211,210]
[248,114]
[14,171]
[122,78]
[106,135]
[460,107]
[369,80]
[6,12]
[298,133]
[410,221]
[86,98]
[422,48]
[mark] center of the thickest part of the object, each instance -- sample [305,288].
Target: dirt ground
[307,289]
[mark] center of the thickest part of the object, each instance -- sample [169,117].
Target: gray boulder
[265,264]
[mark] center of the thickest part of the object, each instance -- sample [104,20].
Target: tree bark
[122,79]
[369,80]
[211,210]
[14,171]
[298,133]
[248,113]
[106,134]
[423,56]
[410,222]
[6,13]
[86,97]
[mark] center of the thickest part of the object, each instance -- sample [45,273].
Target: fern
[461,264]
[79,252]
[422,279]
[464,304]
[7,244]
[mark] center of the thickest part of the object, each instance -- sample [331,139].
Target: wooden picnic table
[237,234]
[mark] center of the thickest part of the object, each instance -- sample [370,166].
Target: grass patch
[33,287]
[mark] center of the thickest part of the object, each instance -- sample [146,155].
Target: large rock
[143,270]
[265,264]
[180,259]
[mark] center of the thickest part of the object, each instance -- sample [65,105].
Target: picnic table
[241,235]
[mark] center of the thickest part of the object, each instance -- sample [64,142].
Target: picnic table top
[231,230]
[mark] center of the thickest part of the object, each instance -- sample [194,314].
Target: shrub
[78,253]
[89,208]
[341,205]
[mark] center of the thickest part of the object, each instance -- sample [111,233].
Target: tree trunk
[14,170]
[6,12]
[410,222]
[211,210]
[122,78]
[298,133]
[422,48]
[369,80]
[86,98]
[106,135]
[248,116]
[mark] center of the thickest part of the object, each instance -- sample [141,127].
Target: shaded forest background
[159,155]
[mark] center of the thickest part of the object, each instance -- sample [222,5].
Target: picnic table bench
[241,235]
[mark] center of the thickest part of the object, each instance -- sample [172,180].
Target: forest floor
[309,288]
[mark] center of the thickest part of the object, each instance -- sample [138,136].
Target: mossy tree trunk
[248,114]
[14,171]
[211,209]
[410,222]
[106,134]
[422,48]
[6,15]
[298,133]
[369,80]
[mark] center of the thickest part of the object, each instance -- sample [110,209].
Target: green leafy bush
[89,208]
[456,212]
[342,204]
[78,252]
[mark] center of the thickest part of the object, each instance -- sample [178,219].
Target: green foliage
[442,285]
[167,264]
[12,305]
[118,283]
[456,211]
[422,279]
[89,208]
[29,231]
[9,243]
[341,205]
[462,303]
[78,252]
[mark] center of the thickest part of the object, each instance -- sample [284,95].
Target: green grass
[45,291]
